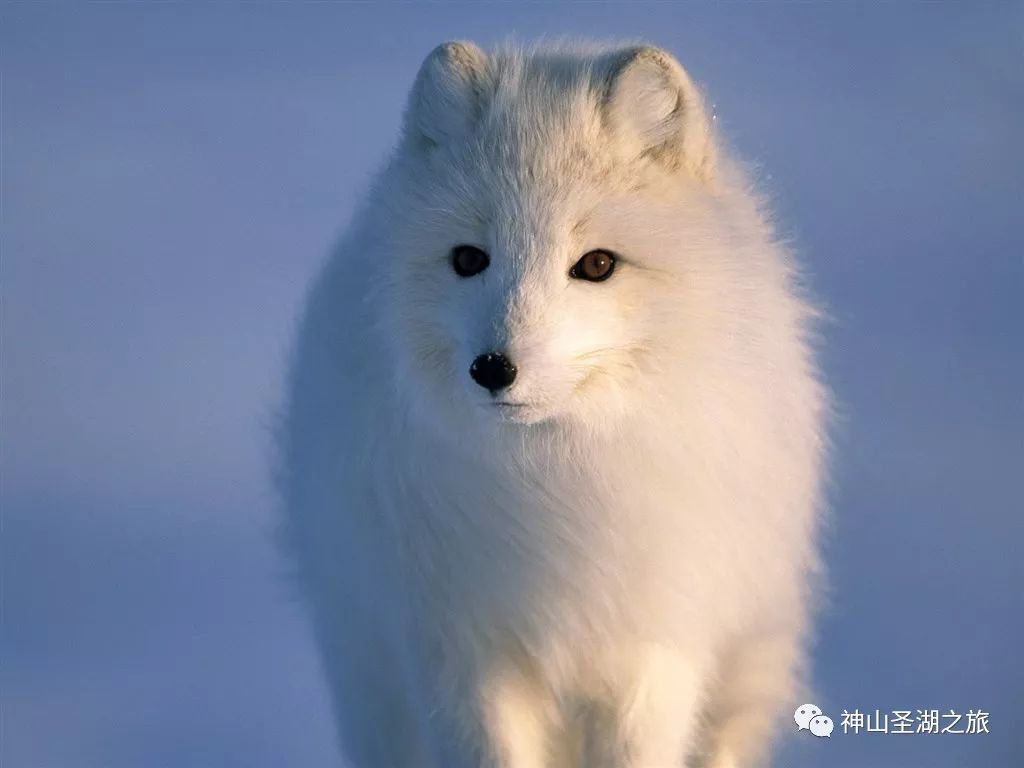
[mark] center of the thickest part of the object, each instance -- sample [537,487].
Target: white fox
[553,447]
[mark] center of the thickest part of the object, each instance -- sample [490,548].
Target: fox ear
[653,106]
[446,97]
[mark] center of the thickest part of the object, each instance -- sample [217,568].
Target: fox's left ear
[653,106]
[445,101]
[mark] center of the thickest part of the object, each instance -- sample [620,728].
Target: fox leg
[653,718]
[518,716]
[760,682]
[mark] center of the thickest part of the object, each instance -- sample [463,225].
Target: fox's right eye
[468,260]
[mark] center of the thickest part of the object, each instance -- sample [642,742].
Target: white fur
[617,572]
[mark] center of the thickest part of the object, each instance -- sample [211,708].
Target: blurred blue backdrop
[172,174]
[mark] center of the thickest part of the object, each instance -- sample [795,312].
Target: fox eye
[468,260]
[594,266]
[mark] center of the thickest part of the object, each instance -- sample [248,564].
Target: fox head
[546,214]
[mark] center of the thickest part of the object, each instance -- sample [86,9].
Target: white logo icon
[804,714]
[822,726]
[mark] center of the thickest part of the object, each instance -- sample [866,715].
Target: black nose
[493,371]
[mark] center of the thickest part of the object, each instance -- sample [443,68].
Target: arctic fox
[553,445]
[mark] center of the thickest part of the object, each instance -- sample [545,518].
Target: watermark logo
[809,717]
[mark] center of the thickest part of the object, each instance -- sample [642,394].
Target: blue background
[172,174]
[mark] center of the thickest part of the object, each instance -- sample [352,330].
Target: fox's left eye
[468,260]
[594,266]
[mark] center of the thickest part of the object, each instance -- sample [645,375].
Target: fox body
[553,441]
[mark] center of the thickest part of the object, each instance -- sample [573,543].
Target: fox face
[543,211]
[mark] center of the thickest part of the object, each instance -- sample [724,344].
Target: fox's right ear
[655,109]
[446,99]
